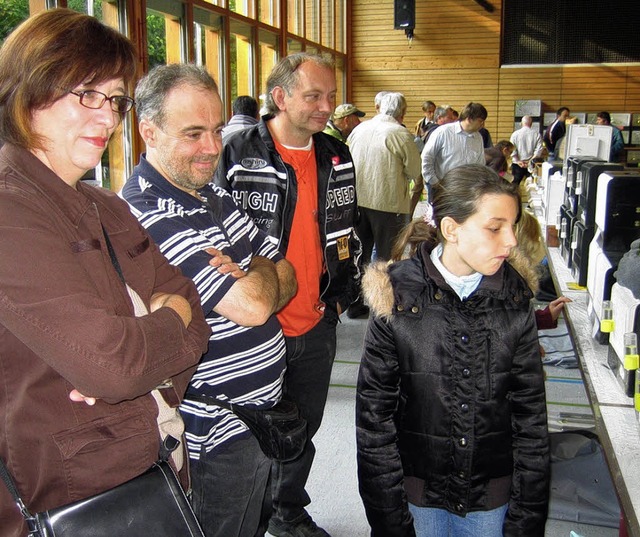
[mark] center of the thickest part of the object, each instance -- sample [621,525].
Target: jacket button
[400,307]
[466,372]
[516,299]
[464,338]
[415,309]
[459,507]
[438,296]
[464,407]
[462,474]
[463,442]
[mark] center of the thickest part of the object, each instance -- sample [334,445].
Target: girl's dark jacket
[450,392]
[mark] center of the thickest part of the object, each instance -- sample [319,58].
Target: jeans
[431,522]
[231,492]
[306,382]
[379,229]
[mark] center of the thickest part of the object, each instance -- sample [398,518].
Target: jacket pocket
[105,452]
[139,248]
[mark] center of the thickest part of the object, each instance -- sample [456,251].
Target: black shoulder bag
[150,504]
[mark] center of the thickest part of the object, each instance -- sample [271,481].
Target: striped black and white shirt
[244,365]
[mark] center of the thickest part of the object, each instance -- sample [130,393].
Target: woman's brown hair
[49,55]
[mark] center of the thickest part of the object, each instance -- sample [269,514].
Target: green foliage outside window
[12,13]
[156,41]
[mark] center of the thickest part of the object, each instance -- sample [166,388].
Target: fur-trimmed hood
[376,288]
[378,292]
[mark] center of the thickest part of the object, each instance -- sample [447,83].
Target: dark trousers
[519,173]
[306,382]
[379,229]
[231,491]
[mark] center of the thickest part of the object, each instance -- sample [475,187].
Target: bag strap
[169,444]
[209,400]
[8,481]
[240,412]
[112,255]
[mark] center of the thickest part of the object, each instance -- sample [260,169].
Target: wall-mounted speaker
[404,14]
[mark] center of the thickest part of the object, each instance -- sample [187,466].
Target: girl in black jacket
[450,411]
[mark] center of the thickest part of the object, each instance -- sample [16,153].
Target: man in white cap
[345,118]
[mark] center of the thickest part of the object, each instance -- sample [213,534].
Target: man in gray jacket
[386,162]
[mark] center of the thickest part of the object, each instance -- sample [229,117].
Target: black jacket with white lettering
[266,187]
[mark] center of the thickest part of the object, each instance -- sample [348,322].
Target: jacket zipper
[324,249]
[488,369]
[285,205]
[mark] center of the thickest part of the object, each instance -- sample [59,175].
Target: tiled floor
[333,485]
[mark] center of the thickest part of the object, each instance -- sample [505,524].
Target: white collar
[462,285]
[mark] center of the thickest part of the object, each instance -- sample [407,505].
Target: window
[242,7]
[312,20]
[268,56]
[339,21]
[328,18]
[164,32]
[240,59]
[294,45]
[269,12]
[295,16]
[208,45]
[341,80]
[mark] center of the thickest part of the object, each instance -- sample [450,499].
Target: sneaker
[303,526]
[357,309]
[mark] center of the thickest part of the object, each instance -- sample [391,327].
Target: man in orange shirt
[298,184]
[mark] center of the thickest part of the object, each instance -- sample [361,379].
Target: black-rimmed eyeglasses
[95,99]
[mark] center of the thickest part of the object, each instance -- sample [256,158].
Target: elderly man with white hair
[386,161]
[528,146]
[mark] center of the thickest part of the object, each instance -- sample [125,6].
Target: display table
[615,418]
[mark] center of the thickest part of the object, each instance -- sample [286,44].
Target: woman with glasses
[99,334]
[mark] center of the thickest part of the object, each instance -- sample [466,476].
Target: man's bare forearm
[288,285]
[253,298]
[265,285]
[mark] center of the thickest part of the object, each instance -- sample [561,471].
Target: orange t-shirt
[304,252]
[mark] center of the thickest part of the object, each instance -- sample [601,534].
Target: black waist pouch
[280,430]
